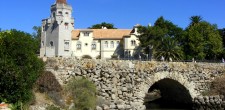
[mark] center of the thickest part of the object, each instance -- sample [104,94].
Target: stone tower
[56,31]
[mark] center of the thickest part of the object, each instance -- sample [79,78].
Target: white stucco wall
[86,46]
[128,45]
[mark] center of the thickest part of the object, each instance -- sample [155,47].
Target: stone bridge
[124,85]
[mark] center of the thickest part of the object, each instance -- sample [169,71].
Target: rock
[105,107]
[120,107]
[99,108]
[112,106]
[113,96]
[124,89]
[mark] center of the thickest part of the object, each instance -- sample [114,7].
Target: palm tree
[169,49]
[195,20]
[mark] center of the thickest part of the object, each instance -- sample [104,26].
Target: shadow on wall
[173,96]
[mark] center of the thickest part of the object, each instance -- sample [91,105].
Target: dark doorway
[173,96]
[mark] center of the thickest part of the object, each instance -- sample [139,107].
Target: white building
[60,39]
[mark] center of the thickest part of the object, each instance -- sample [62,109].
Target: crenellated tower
[56,31]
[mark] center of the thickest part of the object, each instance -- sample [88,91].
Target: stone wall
[123,84]
[209,103]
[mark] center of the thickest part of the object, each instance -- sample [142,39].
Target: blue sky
[24,14]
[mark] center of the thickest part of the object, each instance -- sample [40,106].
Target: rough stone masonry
[123,84]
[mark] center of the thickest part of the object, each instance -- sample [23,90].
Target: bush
[20,66]
[83,93]
[218,86]
[47,82]
[52,107]
[86,57]
[114,57]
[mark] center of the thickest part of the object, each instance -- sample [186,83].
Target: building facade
[60,39]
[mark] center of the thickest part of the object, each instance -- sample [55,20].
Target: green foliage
[169,49]
[86,57]
[19,68]
[83,93]
[103,24]
[163,32]
[203,41]
[195,20]
[37,37]
[37,33]
[52,107]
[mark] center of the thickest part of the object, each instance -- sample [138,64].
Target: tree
[169,49]
[222,34]
[162,32]
[37,37]
[203,41]
[37,33]
[195,20]
[102,25]
[20,66]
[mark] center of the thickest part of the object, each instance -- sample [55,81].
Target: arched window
[66,25]
[51,44]
[66,45]
[42,44]
[67,14]
[133,43]
[93,45]
[112,44]
[78,45]
[106,44]
[60,12]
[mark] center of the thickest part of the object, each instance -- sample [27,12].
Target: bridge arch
[171,81]
[181,78]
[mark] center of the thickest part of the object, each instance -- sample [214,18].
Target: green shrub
[114,57]
[52,107]
[86,57]
[83,93]
[20,66]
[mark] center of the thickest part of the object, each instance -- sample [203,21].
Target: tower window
[51,44]
[66,25]
[67,14]
[86,33]
[42,43]
[60,13]
[66,45]
[86,44]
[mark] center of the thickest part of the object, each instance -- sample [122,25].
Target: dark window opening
[86,33]
[66,25]
[60,13]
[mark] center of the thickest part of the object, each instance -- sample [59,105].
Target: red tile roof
[61,1]
[104,33]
